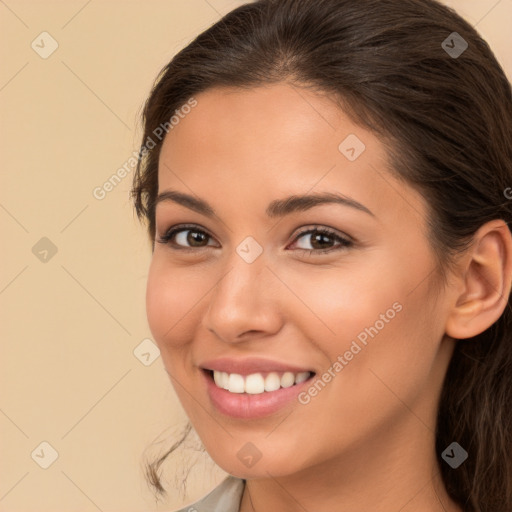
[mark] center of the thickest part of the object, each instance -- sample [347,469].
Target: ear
[485,282]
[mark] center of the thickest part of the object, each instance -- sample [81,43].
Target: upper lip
[250,365]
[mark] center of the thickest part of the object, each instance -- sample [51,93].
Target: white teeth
[272,382]
[287,380]
[236,383]
[301,377]
[255,383]
[217,377]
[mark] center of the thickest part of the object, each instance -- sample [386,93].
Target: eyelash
[344,243]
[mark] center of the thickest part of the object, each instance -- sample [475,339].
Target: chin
[262,468]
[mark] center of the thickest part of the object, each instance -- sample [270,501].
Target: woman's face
[246,278]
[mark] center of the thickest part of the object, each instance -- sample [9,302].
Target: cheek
[338,304]
[170,300]
[379,314]
[158,305]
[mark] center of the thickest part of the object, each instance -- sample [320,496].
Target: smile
[257,383]
[255,395]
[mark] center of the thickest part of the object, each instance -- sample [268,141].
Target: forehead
[254,145]
[226,118]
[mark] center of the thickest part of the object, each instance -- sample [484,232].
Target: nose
[244,304]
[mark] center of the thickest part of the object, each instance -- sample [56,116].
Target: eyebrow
[277,208]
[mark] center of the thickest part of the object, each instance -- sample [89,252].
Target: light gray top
[226,497]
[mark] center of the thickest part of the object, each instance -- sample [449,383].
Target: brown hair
[447,123]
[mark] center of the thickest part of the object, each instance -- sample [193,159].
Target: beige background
[70,324]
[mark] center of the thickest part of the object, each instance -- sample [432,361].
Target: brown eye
[321,240]
[194,238]
[186,237]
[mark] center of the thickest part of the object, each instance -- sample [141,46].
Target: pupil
[322,238]
[195,238]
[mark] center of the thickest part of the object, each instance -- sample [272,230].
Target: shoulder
[225,497]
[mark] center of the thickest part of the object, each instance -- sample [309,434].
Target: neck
[404,477]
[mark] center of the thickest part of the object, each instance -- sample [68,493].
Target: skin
[366,441]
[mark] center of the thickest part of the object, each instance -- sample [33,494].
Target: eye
[190,237]
[185,237]
[321,240]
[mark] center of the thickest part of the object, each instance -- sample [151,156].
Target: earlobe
[487,281]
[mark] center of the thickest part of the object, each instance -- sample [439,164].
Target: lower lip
[247,406]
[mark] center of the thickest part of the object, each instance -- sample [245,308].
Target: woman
[325,190]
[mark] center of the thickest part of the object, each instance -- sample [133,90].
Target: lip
[250,365]
[248,406]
